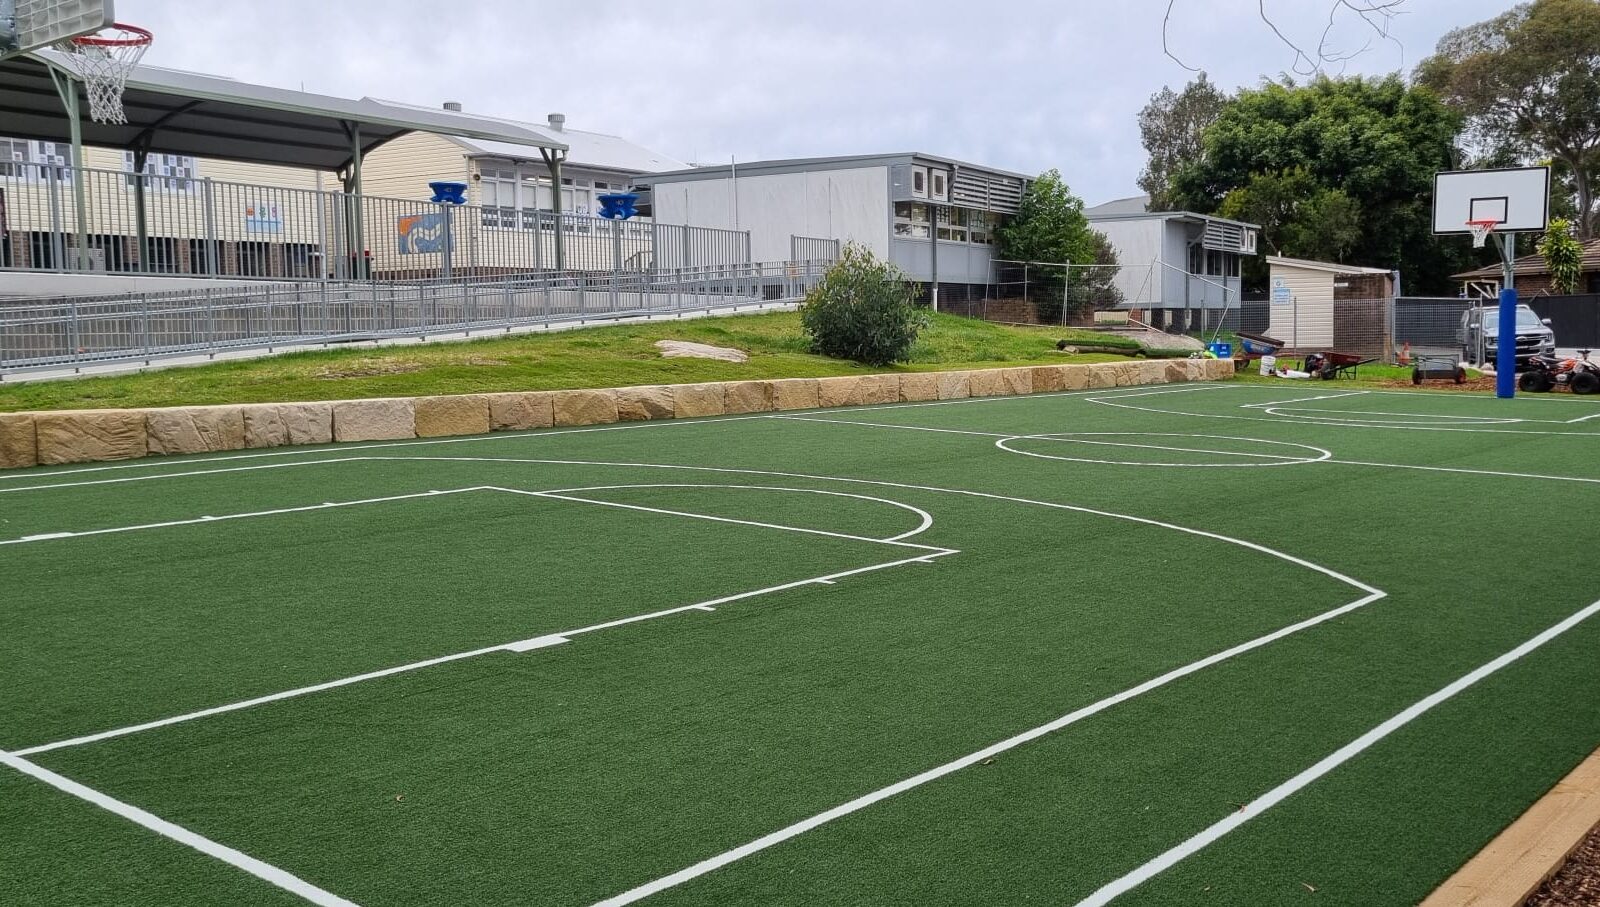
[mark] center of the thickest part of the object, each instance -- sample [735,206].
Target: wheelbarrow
[1258,344]
[1331,365]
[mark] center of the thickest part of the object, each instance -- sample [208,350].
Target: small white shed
[1321,304]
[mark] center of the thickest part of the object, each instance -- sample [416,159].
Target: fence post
[1066,287]
[210,228]
[447,258]
[58,241]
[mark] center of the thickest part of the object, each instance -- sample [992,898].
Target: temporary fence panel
[86,330]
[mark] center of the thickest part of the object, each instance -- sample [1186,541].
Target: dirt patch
[484,360]
[366,368]
[1578,882]
[1444,384]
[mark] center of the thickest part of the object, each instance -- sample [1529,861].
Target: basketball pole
[1505,365]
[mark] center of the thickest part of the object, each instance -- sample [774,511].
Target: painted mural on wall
[420,233]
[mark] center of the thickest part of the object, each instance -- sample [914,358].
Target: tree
[862,309]
[1297,216]
[1170,127]
[1530,79]
[1358,155]
[1563,255]
[1050,231]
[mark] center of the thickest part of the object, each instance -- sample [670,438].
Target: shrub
[863,309]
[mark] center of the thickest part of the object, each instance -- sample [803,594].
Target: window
[42,248]
[1197,259]
[983,224]
[300,260]
[166,172]
[956,218]
[161,256]
[202,255]
[1213,263]
[919,182]
[35,161]
[911,220]
[253,259]
[1232,261]
[941,190]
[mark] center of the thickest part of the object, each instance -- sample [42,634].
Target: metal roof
[1331,267]
[836,162]
[594,150]
[212,116]
[1533,264]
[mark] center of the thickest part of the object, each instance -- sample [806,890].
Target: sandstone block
[1048,378]
[693,400]
[83,436]
[986,382]
[458,414]
[1017,380]
[520,410]
[955,385]
[844,391]
[19,441]
[388,419]
[877,390]
[795,393]
[636,404]
[1102,374]
[596,407]
[284,424]
[1075,377]
[194,429]
[1176,371]
[916,386]
[747,397]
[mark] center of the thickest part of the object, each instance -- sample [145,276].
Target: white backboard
[1517,199]
[40,23]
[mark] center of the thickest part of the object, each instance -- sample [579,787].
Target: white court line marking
[1340,756]
[1583,418]
[1401,418]
[326,505]
[1305,399]
[925,517]
[1109,401]
[542,641]
[928,552]
[172,831]
[1476,472]
[1327,459]
[1068,437]
[155,462]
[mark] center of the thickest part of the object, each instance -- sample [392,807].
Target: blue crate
[1221,350]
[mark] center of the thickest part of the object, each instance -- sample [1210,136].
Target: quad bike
[1545,373]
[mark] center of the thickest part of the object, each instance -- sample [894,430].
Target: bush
[863,310]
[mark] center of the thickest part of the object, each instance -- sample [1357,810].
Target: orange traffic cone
[1405,353]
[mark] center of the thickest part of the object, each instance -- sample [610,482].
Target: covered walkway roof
[176,112]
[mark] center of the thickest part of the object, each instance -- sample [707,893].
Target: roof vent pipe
[453,106]
[558,121]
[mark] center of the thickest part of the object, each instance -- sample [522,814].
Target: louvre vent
[986,192]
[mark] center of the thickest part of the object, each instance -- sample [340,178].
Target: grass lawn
[613,356]
[1213,644]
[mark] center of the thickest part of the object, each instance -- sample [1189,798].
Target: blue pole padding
[1505,360]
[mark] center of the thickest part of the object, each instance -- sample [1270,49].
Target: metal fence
[143,223]
[78,332]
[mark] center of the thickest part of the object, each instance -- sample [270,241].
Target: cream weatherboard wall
[403,167]
[1307,319]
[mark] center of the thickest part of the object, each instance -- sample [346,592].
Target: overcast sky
[1023,86]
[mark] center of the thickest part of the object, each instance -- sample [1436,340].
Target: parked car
[1534,336]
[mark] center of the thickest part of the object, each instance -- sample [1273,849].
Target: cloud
[1019,85]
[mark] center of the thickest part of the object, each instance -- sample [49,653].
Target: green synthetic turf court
[1198,644]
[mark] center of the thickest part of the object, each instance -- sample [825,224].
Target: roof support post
[553,160]
[67,88]
[141,226]
[354,220]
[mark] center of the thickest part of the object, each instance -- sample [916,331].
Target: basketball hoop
[104,60]
[1480,231]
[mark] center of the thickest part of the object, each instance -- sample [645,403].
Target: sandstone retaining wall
[80,436]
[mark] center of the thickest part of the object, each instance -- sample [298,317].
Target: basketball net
[1480,231]
[104,61]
